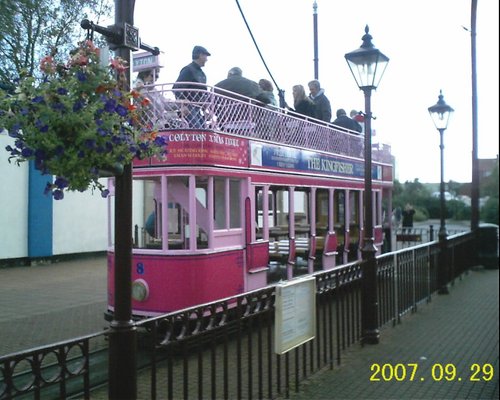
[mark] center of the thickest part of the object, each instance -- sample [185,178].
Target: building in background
[34,226]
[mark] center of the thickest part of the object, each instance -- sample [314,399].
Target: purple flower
[61,182]
[48,188]
[58,194]
[14,131]
[40,155]
[62,91]
[13,152]
[90,143]
[41,126]
[58,107]
[59,150]
[105,193]
[81,76]
[160,141]
[27,152]
[37,99]
[78,105]
[102,132]
[121,110]
[110,105]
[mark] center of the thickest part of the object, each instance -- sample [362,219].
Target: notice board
[295,313]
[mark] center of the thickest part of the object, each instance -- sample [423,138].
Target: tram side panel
[162,284]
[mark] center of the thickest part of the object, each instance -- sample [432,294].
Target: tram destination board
[295,316]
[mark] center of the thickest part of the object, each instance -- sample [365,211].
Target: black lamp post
[440,114]
[122,37]
[367,65]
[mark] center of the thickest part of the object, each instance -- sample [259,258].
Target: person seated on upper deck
[304,106]
[344,121]
[237,84]
[160,106]
[267,93]
[359,117]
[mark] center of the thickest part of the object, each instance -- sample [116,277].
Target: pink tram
[251,196]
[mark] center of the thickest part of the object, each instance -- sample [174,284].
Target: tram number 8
[388,372]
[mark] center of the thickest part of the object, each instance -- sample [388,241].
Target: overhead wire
[281,93]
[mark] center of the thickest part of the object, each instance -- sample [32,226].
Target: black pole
[443,254]
[315,24]
[122,337]
[475,162]
[369,302]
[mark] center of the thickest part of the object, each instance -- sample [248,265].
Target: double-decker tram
[247,195]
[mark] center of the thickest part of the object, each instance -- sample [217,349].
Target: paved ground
[47,303]
[459,330]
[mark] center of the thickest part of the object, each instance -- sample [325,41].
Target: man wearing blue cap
[193,73]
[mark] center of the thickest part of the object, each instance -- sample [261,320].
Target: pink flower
[118,64]
[47,65]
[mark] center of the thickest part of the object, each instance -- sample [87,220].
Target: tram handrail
[193,107]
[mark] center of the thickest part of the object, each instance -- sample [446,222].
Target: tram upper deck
[193,107]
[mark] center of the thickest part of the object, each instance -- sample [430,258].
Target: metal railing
[409,237]
[225,349]
[222,111]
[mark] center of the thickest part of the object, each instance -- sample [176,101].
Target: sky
[427,42]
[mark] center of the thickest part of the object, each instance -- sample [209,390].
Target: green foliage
[489,212]
[30,29]
[432,205]
[413,193]
[456,209]
[489,185]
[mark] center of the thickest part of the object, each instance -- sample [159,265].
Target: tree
[31,29]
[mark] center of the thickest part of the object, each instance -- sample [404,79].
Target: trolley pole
[315,28]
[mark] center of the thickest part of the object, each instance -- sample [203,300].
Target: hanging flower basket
[79,122]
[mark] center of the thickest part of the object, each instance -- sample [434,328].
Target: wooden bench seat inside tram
[408,237]
[279,249]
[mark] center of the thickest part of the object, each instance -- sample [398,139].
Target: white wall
[80,223]
[13,204]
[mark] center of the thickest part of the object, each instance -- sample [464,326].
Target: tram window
[339,207]
[111,216]
[281,210]
[301,205]
[259,208]
[354,207]
[234,204]
[301,213]
[147,213]
[178,212]
[202,215]
[322,197]
[259,211]
[377,208]
[220,202]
